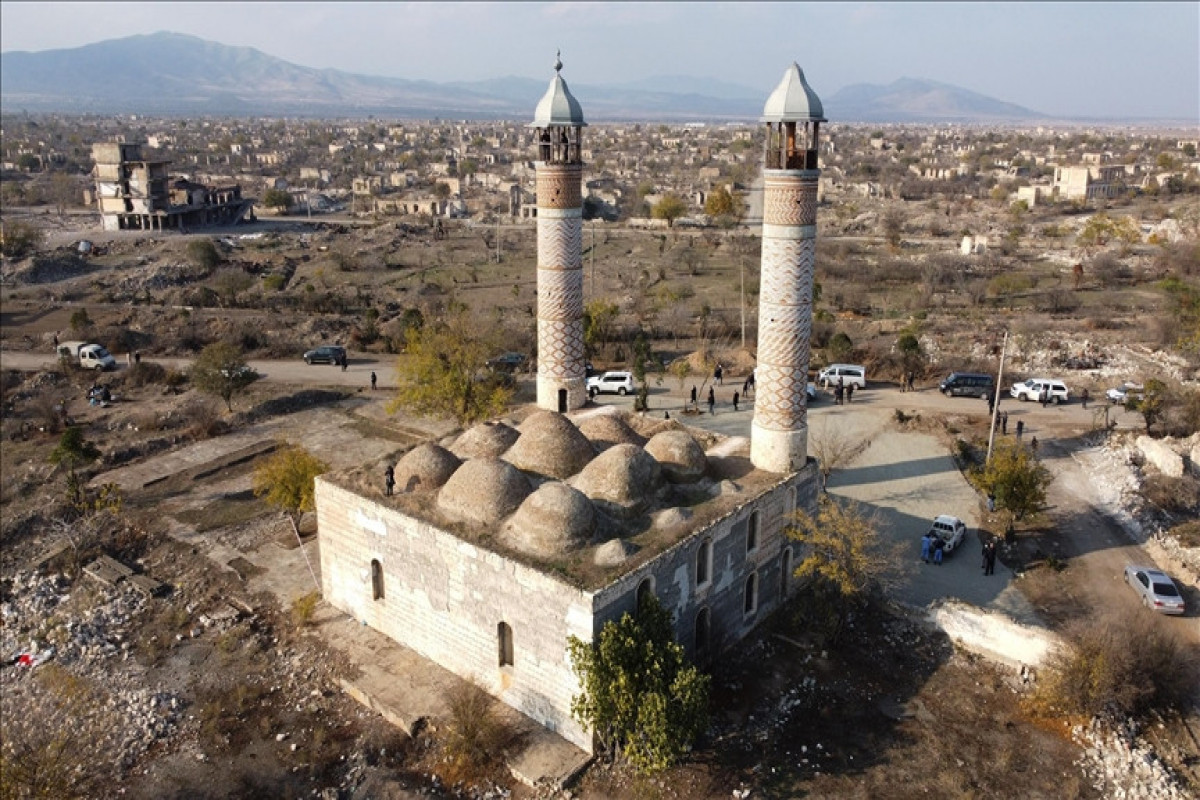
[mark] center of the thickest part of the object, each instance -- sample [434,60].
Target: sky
[1063,59]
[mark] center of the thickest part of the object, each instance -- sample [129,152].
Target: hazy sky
[1068,59]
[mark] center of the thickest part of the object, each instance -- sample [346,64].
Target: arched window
[785,572]
[750,598]
[703,631]
[505,640]
[704,563]
[376,579]
[752,533]
[645,591]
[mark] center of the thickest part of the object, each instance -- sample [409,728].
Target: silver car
[1157,590]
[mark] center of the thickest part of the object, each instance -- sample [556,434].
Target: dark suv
[970,384]
[326,354]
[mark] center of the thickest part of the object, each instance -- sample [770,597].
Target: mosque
[503,541]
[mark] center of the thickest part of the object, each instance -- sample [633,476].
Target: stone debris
[1121,764]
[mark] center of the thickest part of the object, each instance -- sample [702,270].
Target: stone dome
[555,519]
[550,445]
[682,459]
[425,467]
[483,491]
[622,480]
[606,430]
[485,440]
[612,553]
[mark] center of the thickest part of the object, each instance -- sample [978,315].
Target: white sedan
[1157,590]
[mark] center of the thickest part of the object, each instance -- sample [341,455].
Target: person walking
[693,395]
[1004,422]
[718,373]
[926,545]
[735,401]
[991,401]
[345,361]
[990,566]
[1045,395]
[991,503]
[389,480]
[1033,443]
[938,546]
[983,556]
[849,392]
[746,386]
[712,401]
[1020,427]
[1084,398]
[837,394]
[373,379]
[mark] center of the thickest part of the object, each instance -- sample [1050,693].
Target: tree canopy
[286,479]
[671,207]
[278,198]
[722,203]
[1016,478]
[444,370]
[221,369]
[639,694]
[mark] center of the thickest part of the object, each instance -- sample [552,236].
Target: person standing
[693,394]
[389,480]
[1004,422]
[345,361]
[712,401]
[938,547]
[991,503]
[837,393]
[926,545]
[1045,395]
[373,379]
[1020,427]
[990,567]
[718,373]
[1084,398]
[735,401]
[1033,444]
[849,392]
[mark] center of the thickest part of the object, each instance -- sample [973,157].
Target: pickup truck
[88,356]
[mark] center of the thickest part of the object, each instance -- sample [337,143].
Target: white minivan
[849,373]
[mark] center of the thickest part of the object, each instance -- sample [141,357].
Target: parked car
[967,384]
[611,383]
[1032,390]
[1157,590]
[88,356]
[849,373]
[325,354]
[951,530]
[509,362]
[1121,394]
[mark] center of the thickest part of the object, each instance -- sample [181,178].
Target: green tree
[441,190]
[911,356]
[845,561]
[1153,403]
[203,254]
[71,452]
[229,283]
[18,239]
[445,371]
[1101,229]
[287,480]
[840,347]
[598,317]
[639,695]
[1016,478]
[278,198]
[671,207]
[80,321]
[221,369]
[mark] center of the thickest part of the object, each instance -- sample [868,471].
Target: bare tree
[833,448]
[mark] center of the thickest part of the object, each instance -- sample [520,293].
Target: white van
[88,356]
[850,374]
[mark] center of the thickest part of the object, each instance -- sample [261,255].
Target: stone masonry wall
[444,598]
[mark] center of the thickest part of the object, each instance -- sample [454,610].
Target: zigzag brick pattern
[560,348]
[560,243]
[560,294]
[559,186]
[790,202]
[779,398]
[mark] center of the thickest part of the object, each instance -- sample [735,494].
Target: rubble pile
[1121,765]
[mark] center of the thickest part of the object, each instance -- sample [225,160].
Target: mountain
[919,100]
[172,73]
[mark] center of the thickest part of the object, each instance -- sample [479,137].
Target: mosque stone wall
[445,598]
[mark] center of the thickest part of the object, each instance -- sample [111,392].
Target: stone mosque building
[506,539]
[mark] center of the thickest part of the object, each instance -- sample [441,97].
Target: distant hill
[917,100]
[171,73]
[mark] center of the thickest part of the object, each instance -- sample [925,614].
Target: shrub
[475,735]
[304,608]
[203,254]
[145,372]
[274,282]
[1127,662]
[1181,495]
[19,240]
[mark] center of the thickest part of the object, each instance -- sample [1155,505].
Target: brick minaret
[558,124]
[779,434]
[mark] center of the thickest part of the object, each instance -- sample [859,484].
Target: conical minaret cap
[558,106]
[793,100]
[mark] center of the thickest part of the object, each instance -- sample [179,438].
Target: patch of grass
[475,735]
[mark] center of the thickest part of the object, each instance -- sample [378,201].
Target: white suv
[849,373]
[610,383]
[1032,390]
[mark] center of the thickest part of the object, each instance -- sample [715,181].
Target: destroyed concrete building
[502,542]
[134,192]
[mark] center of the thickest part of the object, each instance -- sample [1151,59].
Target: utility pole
[996,404]
[593,256]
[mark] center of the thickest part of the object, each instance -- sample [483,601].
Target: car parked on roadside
[1119,395]
[1158,592]
[951,530]
[611,383]
[849,374]
[325,354]
[967,384]
[508,362]
[1032,390]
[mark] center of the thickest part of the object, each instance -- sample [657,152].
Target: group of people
[718,379]
[842,390]
[932,547]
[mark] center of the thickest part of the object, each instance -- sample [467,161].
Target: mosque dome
[555,519]
[558,106]
[682,459]
[550,445]
[425,467]
[622,480]
[483,492]
[607,430]
[793,100]
[485,440]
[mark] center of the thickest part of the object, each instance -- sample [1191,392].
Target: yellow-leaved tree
[287,480]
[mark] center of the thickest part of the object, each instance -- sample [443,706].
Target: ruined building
[135,193]
[504,540]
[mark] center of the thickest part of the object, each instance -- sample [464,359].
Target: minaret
[779,433]
[558,124]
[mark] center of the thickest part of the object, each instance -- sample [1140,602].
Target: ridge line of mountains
[172,73]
